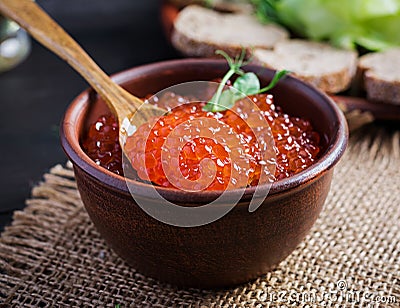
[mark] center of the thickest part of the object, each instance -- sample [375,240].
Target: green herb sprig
[244,85]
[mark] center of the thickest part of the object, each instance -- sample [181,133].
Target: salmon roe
[102,144]
[296,144]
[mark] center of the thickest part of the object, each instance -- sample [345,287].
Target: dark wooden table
[118,34]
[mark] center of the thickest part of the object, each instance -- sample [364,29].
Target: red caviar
[297,145]
[102,144]
[194,151]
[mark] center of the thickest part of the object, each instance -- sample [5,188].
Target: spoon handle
[45,30]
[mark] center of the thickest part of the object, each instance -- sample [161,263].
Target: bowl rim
[79,158]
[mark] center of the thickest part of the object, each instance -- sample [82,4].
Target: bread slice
[232,6]
[326,67]
[380,73]
[199,32]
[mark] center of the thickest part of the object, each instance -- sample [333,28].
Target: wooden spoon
[45,30]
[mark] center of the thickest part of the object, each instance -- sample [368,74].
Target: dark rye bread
[328,68]
[380,73]
[199,32]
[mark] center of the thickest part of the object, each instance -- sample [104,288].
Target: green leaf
[234,68]
[226,100]
[278,76]
[372,24]
[248,84]
[265,10]
[244,85]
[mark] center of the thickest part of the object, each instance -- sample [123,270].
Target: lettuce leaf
[372,24]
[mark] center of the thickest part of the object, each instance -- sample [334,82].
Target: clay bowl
[234,249]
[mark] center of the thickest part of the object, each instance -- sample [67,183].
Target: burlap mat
[52,256]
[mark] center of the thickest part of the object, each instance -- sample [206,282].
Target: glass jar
[15,44]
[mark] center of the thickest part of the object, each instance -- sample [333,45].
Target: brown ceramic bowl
[241,245]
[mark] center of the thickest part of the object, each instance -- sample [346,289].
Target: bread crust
[380,75]
[219,5]
[336,76]
[193,48]
[190,44]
